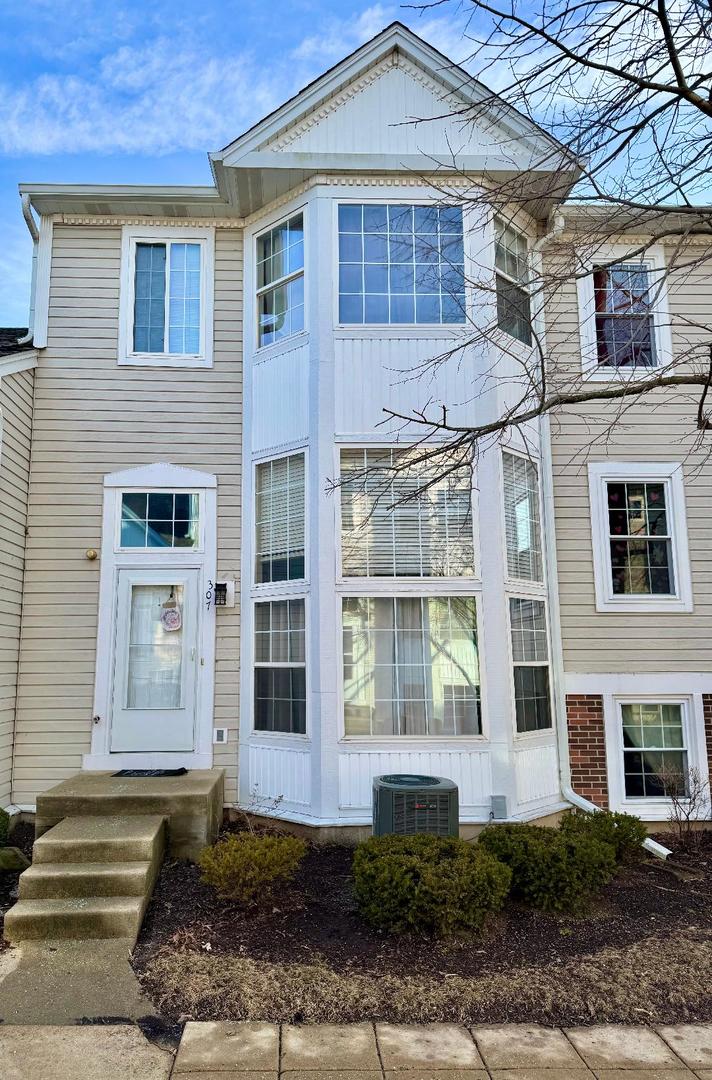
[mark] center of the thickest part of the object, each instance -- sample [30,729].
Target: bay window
[411,666]
[530,656]
[401,264]
[280,667]
[279,519]
[511,261]
[522,518]
[280,281]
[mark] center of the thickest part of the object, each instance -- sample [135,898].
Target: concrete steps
[91,877]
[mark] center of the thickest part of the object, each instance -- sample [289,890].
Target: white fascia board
[463,163]
[21,361]
[439,67]
[49,199]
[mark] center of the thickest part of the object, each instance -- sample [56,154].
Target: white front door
[155,661]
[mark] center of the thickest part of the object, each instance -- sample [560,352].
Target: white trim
[42,282]
[671,474]
[652,809]
[655,682]
[260,349]
[156,476]
[653,258]
[130,236]
[275,590]
[16,362]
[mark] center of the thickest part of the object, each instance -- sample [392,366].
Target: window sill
[675,605]
[594,373]
[401,330]
[165,360]
[287,344]
[354,743]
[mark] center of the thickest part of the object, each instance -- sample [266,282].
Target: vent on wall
[220,735]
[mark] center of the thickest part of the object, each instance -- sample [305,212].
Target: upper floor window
[625,332]
[166,298]
[280,281]
[639,541]
[279,519]
[159,519]
[511,261]
[401,264]
[521,517]
[404,517]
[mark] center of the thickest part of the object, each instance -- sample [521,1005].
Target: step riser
[25,926]
[93,851]
[57,886]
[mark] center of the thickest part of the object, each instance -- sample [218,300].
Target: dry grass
[654,980]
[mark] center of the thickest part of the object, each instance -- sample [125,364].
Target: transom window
[401,264]
[640,539]
[411,666]
[654,750]
[625,334]
[404,517]
[280,281]
[167,298]
[279,519]
[521,517]
[280,666]
[530,654]
[159,519]
[511,261]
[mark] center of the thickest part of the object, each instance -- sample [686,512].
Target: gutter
[552,577]
[34,233]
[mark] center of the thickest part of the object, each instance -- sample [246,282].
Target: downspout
[34,233]
[552,577]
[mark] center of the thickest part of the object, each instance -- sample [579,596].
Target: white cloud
[169,95]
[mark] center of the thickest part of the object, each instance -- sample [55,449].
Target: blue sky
[103,92]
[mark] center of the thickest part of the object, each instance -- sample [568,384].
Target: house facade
[227,544]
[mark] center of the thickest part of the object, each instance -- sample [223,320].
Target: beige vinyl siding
[93,417]
[657,427]
[15,441]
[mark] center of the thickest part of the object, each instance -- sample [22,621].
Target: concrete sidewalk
[254,1051]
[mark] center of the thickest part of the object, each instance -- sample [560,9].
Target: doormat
[151,772]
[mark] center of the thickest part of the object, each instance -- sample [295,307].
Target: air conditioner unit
[405,804]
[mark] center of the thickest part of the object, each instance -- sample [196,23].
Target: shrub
[245,867]
[551,869]
[624,832]
[427,883]
[4,827]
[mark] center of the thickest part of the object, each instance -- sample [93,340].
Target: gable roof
[418,120]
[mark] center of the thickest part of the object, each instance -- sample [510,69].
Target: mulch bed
[651,919]
[22,837]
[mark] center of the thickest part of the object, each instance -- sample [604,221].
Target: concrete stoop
[91,877]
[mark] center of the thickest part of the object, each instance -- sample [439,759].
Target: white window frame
[131,236]
[600,474]
[514,582]
[654,259]
[156,552]
[526,288]
[653,808]
[257,734]
[278,587]
[260,347]
[522,592]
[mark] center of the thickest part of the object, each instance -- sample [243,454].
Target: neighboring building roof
[8,340]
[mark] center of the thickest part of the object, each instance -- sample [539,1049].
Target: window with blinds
[280,513]
[401,517]
[521,518]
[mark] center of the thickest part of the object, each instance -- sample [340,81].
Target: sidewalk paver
[330,1046]
[542,1074]
[517,1046]
[92,1052]
[417,1046]
[644,1074]
[227,1047]
[691,1042]
[617,1046]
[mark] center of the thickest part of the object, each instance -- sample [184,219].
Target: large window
[511,260]
[530,655]
[401,517]
[654,750]
[521,517]
[280,281]
[279,519]
[280,667]
[640,555]
[401,264]
[625,334]
[159,519]
[411,666]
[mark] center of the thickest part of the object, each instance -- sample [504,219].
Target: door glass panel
[155,667]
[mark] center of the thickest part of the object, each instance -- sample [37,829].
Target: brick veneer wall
[707,704]
[587,746]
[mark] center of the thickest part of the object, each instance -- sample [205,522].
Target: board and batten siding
[659,426]
[93,417]
[16,394]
